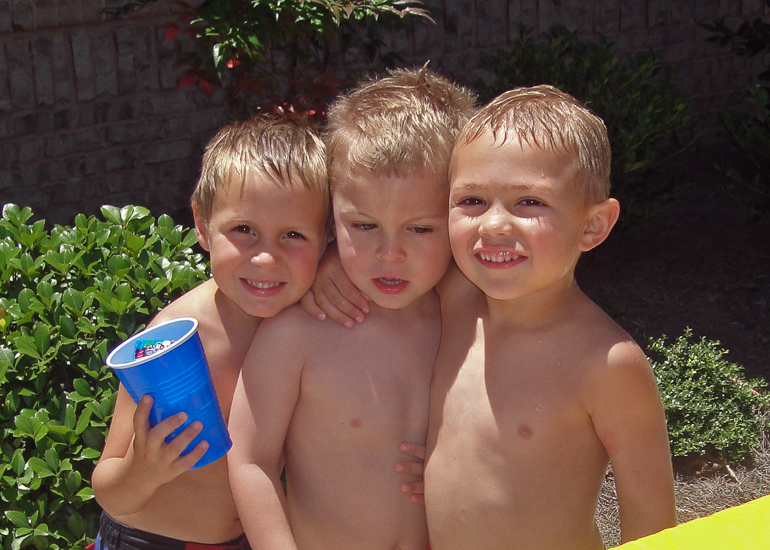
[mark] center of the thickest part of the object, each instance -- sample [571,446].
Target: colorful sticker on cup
[145,348]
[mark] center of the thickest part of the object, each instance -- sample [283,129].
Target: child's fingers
[416,489]
[142,420]
[177,445]
[332,312]
[187,461]
[346,305]
[414,449]
[163,429]
[412,468]
[350,292]
[310,306]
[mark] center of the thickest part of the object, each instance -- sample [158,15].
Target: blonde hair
[279,148]
[399,124]
[551,120]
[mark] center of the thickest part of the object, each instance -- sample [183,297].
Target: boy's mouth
[504,258]
[390,286]
[264,288]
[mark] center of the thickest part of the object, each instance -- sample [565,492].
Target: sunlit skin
[265,241]
[335,403]
[142,481]
[391,234]
[535,389]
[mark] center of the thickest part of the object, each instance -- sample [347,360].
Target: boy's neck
[427,304]
[536,311]
[230,312]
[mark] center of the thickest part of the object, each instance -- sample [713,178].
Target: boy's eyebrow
[355,211]
[472,186]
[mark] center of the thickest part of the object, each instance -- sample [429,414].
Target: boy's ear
[601,220]
[200,228]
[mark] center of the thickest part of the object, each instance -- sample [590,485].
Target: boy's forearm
[646,500]
[261,505]
[644,521]
[118,490]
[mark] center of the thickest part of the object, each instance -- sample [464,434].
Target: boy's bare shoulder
[607,351]
[295,327]
[196,303]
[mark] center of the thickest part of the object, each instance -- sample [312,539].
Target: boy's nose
[263,258]
[391,250]
[495,221]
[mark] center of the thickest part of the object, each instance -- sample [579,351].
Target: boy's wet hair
[285,150]
[547,118]
[399,124]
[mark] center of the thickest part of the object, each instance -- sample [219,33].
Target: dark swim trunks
[116,536]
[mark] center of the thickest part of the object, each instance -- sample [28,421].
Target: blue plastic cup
[177,377]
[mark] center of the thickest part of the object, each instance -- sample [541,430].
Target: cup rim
[130,340]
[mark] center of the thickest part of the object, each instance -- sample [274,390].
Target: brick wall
[90,113]
[710,75]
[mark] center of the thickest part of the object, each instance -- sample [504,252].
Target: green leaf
[74,299]
[19,519]
[6,361]
[52,459]
[42,338]
[82,387]
[77,525]
[40,467]
[27,346]
[17,463]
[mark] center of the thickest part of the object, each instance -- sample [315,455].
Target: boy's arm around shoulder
[262,408]
[628,417]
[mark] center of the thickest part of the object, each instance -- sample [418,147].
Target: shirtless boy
[334,403]
[535,388]
[260,210]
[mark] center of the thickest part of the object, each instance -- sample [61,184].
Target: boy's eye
[364,226]
[531,202]
[470,201]
[294,235]
[421,230]
[242,229]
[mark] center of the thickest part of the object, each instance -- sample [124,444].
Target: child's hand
[416,488]
[155,460]
[333,294]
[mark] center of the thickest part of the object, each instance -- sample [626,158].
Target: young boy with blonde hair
[334,404]
[535,388]
[260,210]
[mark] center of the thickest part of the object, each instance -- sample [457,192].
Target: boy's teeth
[391,282]
[263,286]
[499,257]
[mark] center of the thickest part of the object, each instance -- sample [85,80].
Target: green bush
[711,409]
[748,169]
[643,112]
[748,132]
[289,56]
[67,297]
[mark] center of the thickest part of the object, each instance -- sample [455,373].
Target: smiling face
[518,222]
[265,241]
[392,234]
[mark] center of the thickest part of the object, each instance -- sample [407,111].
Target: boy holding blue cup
[260,210]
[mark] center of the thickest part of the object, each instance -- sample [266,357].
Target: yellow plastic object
[744,527]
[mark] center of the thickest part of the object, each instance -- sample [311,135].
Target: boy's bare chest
[509,395]
[372,377]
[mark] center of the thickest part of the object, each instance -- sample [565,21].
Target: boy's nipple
[525,431]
